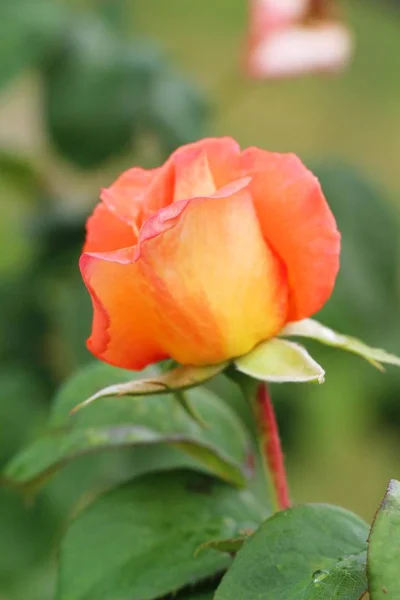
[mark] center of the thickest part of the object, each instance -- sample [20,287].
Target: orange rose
[206,256]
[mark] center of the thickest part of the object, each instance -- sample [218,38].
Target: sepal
[280,361]
[313,329]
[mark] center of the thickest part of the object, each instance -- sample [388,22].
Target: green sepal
[313,329]
[179,379]
[280,361]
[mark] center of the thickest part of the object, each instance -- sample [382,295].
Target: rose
[290,38]
[206,256]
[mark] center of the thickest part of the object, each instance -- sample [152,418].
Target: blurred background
[91,87]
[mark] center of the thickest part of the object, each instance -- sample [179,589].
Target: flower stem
[270,446]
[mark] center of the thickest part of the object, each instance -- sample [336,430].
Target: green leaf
[312,329]
[26,536]
[181,378]
[347,580]
[84,383]
[96,88]
[280,361]
[221,448]
[384,547]
[139,540]
[297,554]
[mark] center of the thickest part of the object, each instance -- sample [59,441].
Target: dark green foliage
[301,554]
[384,547]
[139,540]
[96,88]
[220,446]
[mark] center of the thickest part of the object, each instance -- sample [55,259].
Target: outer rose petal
[193,170]
[123,320]
[203,289]
[298,224]
[138,193]
[106,232]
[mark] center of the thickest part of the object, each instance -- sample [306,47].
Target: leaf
[85,382]
[345,581]
[26,536]
[52,452]
[181,378]
[230,545]
[312,329]
[384,547]
[280,361]
[139,540]
[221,448]
[297,554]
[96,88]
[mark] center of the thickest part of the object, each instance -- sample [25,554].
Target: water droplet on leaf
[319,576]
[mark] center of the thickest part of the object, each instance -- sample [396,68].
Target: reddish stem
[271,447]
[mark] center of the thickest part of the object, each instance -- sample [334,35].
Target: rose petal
[298,224]
[204,286]
[106,232]
[193,177]
[138,193]
[123,318]
[222,156]
[219,288]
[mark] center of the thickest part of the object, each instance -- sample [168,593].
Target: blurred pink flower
[293,37]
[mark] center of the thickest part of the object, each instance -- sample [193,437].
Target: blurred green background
[90,87]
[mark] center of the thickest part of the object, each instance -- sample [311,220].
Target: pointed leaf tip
[280,361]
[181,378]
[313,329]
